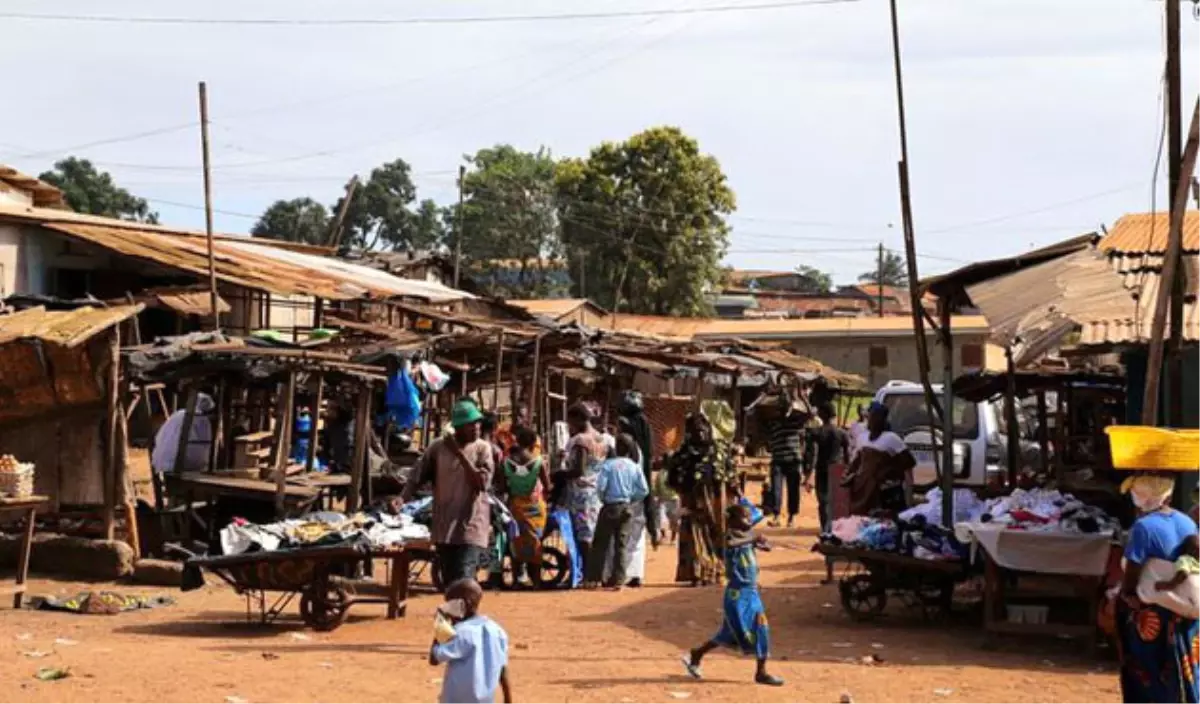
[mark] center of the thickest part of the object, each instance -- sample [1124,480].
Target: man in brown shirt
[460,467]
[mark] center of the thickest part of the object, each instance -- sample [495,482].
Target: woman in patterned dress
[1157,647]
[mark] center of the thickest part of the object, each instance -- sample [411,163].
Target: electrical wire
[388,21]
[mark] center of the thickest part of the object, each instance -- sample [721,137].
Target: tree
[814,280]
[510,238]
[644,221]
[380,214]
[87,190]
[894,272]
[301,220]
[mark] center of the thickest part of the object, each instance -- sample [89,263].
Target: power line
[386,21]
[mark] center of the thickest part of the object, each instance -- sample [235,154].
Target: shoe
[634,583]
[768,680]
[791,521]
[693,669]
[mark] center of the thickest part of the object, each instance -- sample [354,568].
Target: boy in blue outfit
[621,485]
[745,625]
[474,650]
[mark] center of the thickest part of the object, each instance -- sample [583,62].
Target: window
[971,356]
[878,357]
[907,411]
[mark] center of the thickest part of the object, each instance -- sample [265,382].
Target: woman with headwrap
[699,470]
[1159,649]
[880,468]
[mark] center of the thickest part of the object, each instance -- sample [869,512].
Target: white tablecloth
[1047,552]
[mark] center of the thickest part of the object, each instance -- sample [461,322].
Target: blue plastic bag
[401,400]
[561,518]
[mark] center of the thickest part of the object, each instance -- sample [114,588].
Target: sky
[1030,121]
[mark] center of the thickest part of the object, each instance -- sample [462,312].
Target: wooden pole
[208,213]
[287,404]
[315,413]
[217,426]
[1043,430]
[947,459]
[113,408]
[185,431]
[1171,260]
[534,406]
[499,372]
[879,279]
[1177,198]
[361,441]
[335,233]
[458,236]
[1010,418]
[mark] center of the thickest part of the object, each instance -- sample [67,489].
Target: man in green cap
[459,466]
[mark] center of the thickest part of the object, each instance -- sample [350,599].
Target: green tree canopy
[510,237]
[894,271]
[94,192]
[301,220]
[814,280]
[381,214]
[644,221]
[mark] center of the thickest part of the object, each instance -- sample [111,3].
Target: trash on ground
[846,698]
[99,603]
[942,692]
[49,674]
[269,656]
[24,636]
[842,645]
[680,695]
[234,700]
[877,646]
[65,641]
[35,654]
[300,636]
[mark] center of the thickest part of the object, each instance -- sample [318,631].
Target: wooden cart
[872,575]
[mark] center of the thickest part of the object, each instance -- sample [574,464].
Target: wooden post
[315,412]
[462,389]
[514,396]
[217,426]
[947,466]
[1010,418]
[185,431]
[1060,432]
[113,407]
[499,372]
[1043,431]
[1171,259]
[335,235]
[362,426]
[208,212]
[287,404]
[534,406]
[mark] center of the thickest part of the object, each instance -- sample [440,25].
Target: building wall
[897,360]
[11,240]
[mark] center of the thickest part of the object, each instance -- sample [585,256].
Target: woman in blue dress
[745,625]
[1158,648]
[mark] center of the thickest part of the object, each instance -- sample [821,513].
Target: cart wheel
[863,597]
[324,610]
[555,567]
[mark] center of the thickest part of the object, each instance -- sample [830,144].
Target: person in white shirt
[880,468]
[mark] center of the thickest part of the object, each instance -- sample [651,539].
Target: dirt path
[566,646]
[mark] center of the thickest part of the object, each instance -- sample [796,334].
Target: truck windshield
[907,412]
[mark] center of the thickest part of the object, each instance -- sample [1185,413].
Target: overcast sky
[1030,120]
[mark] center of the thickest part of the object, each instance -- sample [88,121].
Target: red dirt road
[566,646]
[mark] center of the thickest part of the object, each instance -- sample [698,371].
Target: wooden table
[30,506]
[400,560]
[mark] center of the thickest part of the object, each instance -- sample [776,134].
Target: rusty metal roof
[1147,232]
[786,328]
[189,301]
[951,286]
[66,328]
[43,194]
[1133,325]
[554,307]
[1036,308]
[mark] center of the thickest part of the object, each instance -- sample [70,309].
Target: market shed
[59,407]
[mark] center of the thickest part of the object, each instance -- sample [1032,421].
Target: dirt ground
[565,647]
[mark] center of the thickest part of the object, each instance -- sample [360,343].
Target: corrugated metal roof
[791,327]
[66,328]
[188,301]
[1035,308]
[43,194]
[1133,326]
[551,307]
[253,263]
[1147,232]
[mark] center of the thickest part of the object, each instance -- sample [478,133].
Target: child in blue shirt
[476,654]
[745,624]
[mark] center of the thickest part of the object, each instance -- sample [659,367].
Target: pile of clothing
[1046,510]
[967,507]
[917,538]
[378,528]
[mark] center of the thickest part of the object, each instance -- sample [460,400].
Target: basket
[1157,449]
[18,484]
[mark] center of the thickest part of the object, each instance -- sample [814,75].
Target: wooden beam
[315,412]
[1010,418]
[362,426]
[1043,430]
[185,432]
[113,408]
[283,440]
[499,371]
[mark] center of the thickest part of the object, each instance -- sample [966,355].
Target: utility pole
[335,235]
[1176,199]
[458,237]
[879,279]
[208,213]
